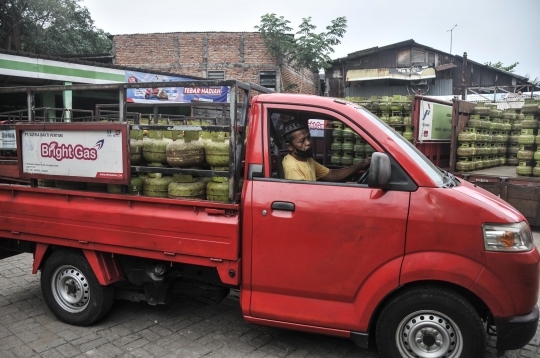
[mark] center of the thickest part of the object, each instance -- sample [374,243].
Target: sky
[489,31]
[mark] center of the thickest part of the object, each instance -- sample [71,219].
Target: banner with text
[172,94]
[73,153]
[435,121]
[7,140]
[316,127]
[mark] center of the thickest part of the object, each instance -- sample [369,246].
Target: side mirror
[379,171]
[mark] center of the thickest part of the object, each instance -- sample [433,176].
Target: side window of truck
[334,145]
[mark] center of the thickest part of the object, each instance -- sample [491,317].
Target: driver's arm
[340,174]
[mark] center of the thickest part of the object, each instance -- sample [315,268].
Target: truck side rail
[234,123]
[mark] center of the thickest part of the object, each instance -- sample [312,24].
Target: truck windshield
[442,179]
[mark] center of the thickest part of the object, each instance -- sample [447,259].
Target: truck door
[321,252]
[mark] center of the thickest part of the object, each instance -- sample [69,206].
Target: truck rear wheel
[72,291]
[430,323]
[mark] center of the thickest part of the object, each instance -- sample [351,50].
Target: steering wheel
[363,177]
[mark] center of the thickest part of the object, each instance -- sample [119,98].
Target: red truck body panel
[139,226]
[317,260]
[503,276]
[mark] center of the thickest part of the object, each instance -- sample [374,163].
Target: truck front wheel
[430,322]
[72,291]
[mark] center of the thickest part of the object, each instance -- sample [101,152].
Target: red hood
[492,202]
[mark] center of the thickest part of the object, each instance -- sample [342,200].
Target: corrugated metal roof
[411,42]
[504,101]
[401,44]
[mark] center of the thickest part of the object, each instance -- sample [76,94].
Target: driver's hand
[365,163]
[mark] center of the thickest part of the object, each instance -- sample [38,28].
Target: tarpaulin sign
[74,152]
[172,94]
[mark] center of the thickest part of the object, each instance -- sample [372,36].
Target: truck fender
[105,266]
[483,287]
[440,266]
[374,289]
[39,254]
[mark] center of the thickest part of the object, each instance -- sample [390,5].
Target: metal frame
[18,115]
[238,91]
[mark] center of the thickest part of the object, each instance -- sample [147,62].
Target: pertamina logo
[63,151]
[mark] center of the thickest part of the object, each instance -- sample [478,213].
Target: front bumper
[515,332]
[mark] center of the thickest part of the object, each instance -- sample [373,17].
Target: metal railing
[233,118]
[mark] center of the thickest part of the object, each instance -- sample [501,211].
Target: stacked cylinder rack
[395,111]
[484,142]
[193,150]
[528,140]
[171,149]
[494,137]
[348,147]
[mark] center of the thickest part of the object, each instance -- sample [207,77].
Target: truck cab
[365,259]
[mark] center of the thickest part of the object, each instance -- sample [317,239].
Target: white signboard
[77,153]
[7,139]
[316,127]
[435,121]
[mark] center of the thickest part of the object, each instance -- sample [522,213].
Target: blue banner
[172,94]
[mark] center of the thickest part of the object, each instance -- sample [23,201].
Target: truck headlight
[508,237]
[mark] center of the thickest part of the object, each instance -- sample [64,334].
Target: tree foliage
[308,49]
[500,66]
[276,34]
[50,27]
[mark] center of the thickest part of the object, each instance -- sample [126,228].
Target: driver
[299,163]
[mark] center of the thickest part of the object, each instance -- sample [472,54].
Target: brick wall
[240,54]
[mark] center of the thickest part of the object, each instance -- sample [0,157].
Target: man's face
[301,141]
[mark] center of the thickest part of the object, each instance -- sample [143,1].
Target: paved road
[187,327]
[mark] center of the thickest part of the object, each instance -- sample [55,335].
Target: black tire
[430,322]
[72,291]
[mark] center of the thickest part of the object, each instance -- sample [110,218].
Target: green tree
[500,66]
[276,34]
[312,50]
[51,27]
[308,50]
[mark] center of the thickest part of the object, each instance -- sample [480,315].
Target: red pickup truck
[406,257]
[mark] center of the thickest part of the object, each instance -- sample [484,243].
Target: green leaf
[51,27]
[309,50]
[500,66]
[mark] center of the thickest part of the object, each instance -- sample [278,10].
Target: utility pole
[452,29]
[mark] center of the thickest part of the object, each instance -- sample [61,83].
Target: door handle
[282,205]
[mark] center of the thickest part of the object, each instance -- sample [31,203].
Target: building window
[404,58]
[267,79]
[419,57]
[216,75]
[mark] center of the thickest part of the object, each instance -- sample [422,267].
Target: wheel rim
[70,289]
[429,334]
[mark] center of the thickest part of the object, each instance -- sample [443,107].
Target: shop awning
[406,74]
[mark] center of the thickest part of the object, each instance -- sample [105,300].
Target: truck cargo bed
[191,231]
